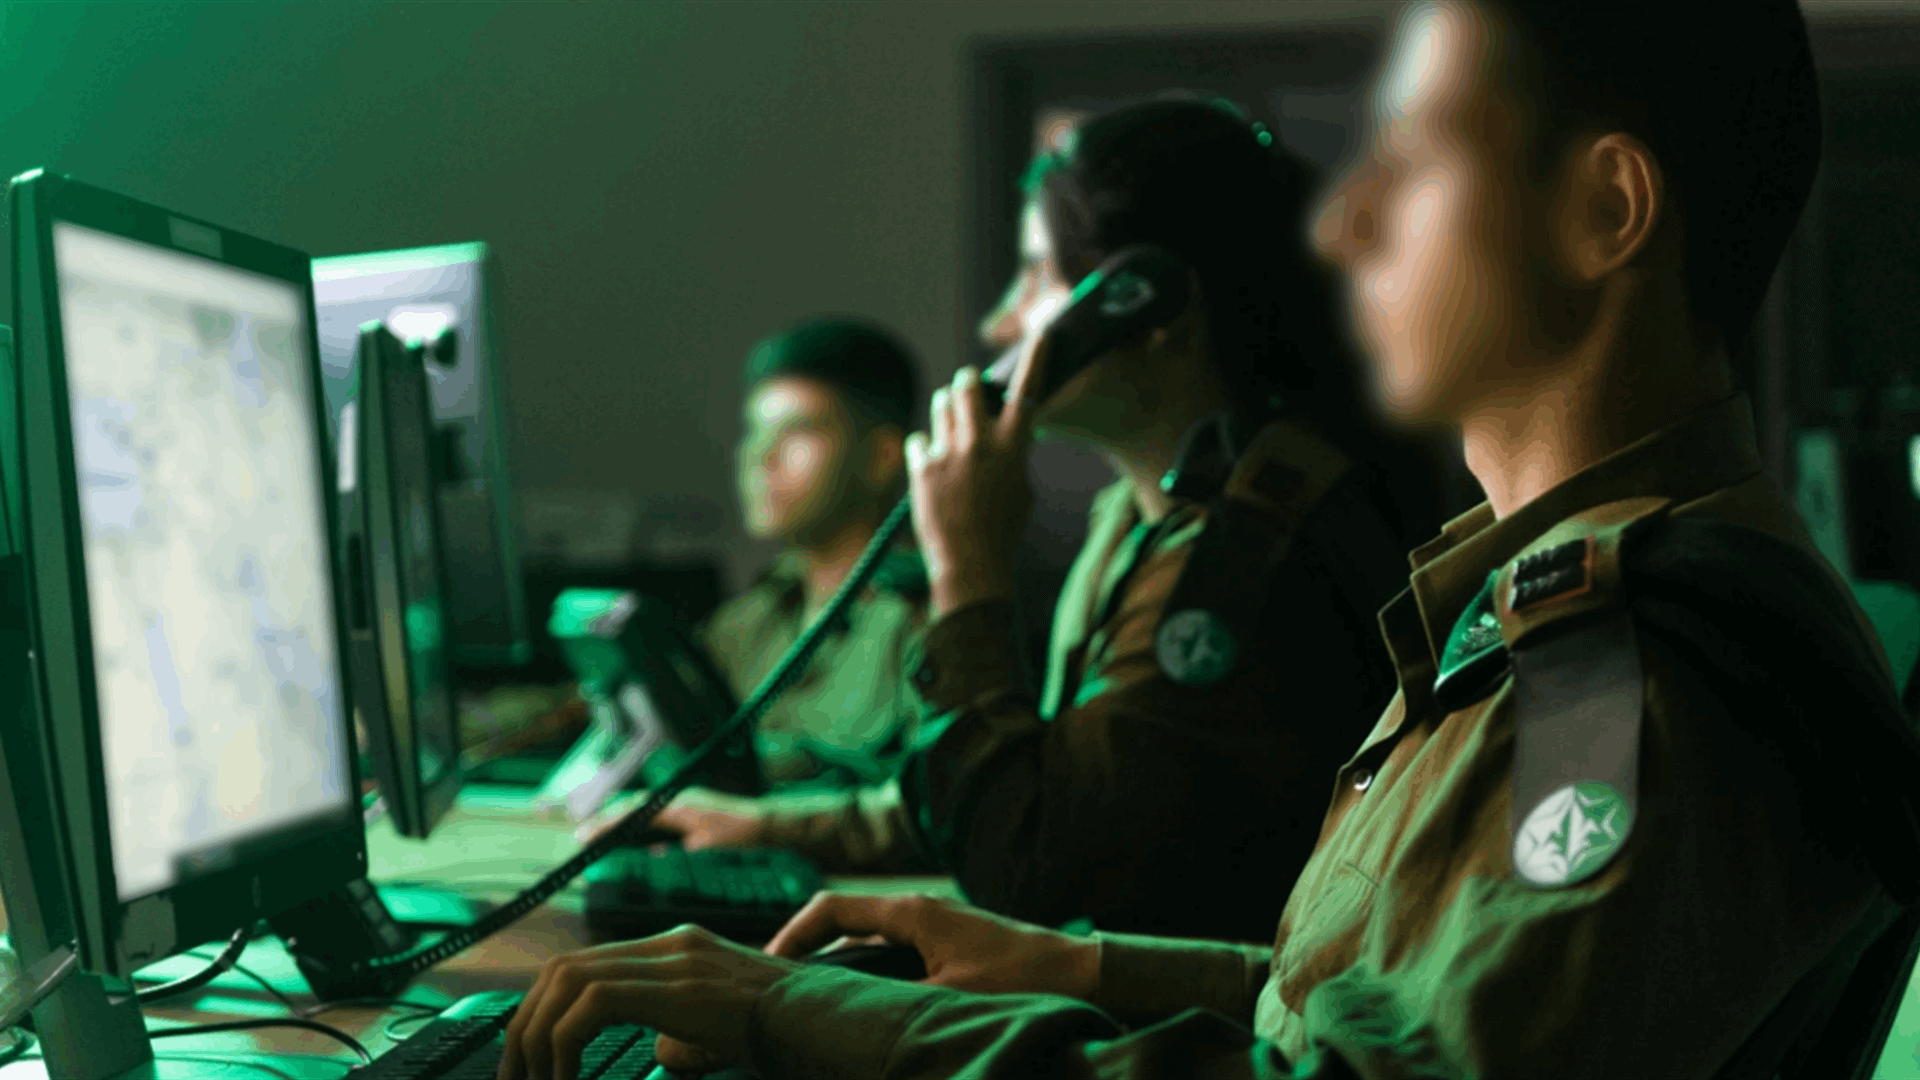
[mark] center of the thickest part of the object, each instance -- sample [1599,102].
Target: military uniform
[846,721]
[1611,851]
[1151,776]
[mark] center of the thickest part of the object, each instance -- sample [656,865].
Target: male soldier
[1643,794]
[828,405]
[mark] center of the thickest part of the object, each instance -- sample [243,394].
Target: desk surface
[489,846]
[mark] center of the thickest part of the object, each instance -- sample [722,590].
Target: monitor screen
[418,292]
[204,534]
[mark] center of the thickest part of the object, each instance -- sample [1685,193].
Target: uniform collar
[1712,448]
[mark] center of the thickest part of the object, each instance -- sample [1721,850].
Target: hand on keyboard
[697,989]
[704,819]
[963,947]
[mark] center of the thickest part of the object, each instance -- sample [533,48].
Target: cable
[420,1018]
[307,1012]
[632,829]
[421,1008]
[23,1041]
[226,959]
[328,1030]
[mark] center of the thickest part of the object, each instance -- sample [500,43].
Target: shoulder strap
[1216,605]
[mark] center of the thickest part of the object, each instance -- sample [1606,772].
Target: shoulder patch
[1216,605]
[1577,707]
[1578,697]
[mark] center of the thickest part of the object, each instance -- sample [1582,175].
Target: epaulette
[1556,621]
[1755,613]
[1257,496]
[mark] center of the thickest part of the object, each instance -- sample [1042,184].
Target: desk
[489,846]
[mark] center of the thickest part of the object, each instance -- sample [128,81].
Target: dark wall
[663,181]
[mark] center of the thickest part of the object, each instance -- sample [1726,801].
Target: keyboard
[745,894]
[467,1040]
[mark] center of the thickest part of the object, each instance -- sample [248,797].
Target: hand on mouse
[698,990]
[964,947]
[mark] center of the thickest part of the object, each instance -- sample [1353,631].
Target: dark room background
[664,182]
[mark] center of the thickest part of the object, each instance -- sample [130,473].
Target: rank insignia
[1475,658]
[1557,572]
[1195,648]
[1571,834]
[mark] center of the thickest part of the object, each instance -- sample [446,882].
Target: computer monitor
[180,766]
[417,292]
[396,583]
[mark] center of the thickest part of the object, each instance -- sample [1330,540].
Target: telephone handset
[1137,290]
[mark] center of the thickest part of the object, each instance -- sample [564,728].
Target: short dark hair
[1726,98]
[1192,175]
[869,365]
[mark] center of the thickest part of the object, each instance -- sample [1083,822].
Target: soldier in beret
[1643,803]
[828,405]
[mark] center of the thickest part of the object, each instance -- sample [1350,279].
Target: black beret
[862,359]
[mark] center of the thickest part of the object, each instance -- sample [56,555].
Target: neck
[1635,372]
[1145,450]
[828,558]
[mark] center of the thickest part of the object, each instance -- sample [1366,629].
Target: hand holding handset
[1137,290]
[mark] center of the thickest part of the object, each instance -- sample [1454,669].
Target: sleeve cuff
[1146,978]
[966,655]
[831,1022]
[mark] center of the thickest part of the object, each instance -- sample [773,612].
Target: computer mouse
[891,961]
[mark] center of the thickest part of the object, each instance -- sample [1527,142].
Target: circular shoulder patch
[1571,834]
[1195,648]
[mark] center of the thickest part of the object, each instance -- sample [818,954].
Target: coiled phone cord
[632,829]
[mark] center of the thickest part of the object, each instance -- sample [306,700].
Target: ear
[886,456]
[1610,205]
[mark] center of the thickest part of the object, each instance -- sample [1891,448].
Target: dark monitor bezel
[491,382]
[268,874]
[379,534]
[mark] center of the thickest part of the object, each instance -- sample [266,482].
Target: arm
[910,1031]
[998,993]
[1145,805]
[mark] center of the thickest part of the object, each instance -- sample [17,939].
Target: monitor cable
[221,964]
[328,1030]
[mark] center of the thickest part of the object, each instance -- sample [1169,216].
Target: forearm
[863,828]
[823,1022]
[1145,978]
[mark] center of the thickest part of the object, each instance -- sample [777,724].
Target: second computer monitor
[417,292]
[398,591]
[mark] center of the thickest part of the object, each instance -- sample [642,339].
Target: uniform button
[925,675]
[1363,780]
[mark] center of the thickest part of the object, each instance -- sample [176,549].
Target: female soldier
[1175,751]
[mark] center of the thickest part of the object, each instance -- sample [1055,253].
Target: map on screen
[195,439]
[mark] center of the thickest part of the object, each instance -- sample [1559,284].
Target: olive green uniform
[846,721]
[1150,775]
[1694,945]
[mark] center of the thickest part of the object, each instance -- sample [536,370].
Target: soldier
[1241,555]
[1643,795]
[828,405]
